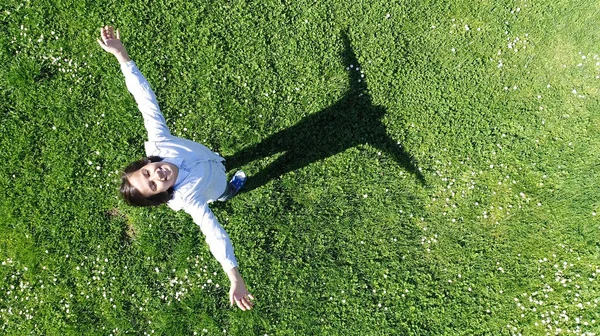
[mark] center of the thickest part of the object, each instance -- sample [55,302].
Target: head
[148,182]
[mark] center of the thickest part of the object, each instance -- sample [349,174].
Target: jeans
[228,194]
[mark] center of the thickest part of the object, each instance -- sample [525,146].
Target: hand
[238,292]
[111,43]
[240,295]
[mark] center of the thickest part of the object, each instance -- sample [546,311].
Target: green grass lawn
[416,168]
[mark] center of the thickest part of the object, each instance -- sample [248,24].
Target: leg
[237,182]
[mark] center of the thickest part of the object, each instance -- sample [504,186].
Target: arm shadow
[353,120]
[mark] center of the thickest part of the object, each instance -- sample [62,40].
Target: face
[154,178]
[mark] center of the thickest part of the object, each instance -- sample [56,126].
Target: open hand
[111,43]
[240,295]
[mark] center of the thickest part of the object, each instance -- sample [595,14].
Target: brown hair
[134,197]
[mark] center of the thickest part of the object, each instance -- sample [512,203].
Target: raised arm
[136,84]
[221,248]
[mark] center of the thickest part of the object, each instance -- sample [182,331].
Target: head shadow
[353,120]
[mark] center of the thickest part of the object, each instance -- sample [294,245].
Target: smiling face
[154,178]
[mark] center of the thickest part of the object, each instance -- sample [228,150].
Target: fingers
[240,305]
[101,44]
[244,304]
[108,32]
[247,303]
[103,34]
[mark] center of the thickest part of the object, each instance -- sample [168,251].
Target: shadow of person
[351,121]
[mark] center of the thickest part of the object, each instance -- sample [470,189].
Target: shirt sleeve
[146,100]
[216,237]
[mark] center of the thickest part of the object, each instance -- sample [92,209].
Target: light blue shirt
[201,178]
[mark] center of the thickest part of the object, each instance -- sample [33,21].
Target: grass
[452,191]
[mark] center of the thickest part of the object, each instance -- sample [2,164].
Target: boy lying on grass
[179,172]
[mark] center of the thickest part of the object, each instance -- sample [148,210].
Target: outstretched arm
[221,248]
[136,84]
